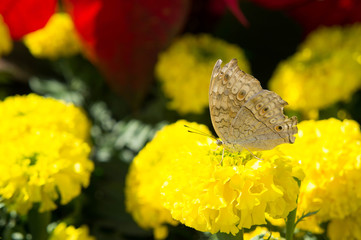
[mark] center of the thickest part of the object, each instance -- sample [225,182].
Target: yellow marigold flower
[57,39]
[5,40]
[330,153]
[325,69]
[148,172]
[345,229]
[41,167]
[63,232]
[213,198]
[43,156]
[184,70]
[23,114]
[262,232]
[182,172]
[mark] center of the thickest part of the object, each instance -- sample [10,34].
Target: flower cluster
[325,69]
[330,155]
[57,39]
[44,152]
[207,189]
[184,69]
[5,39]
[64,232]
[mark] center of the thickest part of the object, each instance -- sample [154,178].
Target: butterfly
[243,114]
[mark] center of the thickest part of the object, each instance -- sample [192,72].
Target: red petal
[25,16]
[279,4]
[124,37]
[312,14]
[234,7]
[328,12]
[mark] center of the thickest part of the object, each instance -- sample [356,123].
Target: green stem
[38,223]
[290,224]
[291,219]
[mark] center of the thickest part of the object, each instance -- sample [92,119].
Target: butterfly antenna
[196,131]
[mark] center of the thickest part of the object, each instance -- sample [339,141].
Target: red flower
[124,38]
[25,16]
[314,13]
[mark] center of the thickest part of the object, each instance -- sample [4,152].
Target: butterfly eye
[273,120]
[259,105]
[241,94]
[278,128]
[225,79]
[220,75]
[264,110]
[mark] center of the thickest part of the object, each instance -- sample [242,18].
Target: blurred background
[135,66]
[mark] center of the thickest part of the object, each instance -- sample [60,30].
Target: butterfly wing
[260,123]
[243,114]
[229,90]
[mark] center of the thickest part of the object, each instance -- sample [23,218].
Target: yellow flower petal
[261,231]
[63,232]
[57,39]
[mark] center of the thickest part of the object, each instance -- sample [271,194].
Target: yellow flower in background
[64,232]
[43,156]
[181,172]
[261,233]
[23,114]
[184,70]
[57,39]
[148,172]
[346,228]
[5,40]
[330,155]
[325,69]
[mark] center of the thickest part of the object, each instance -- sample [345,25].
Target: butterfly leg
[222,157]
[253,154]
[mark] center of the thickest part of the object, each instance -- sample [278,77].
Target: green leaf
[305,215]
